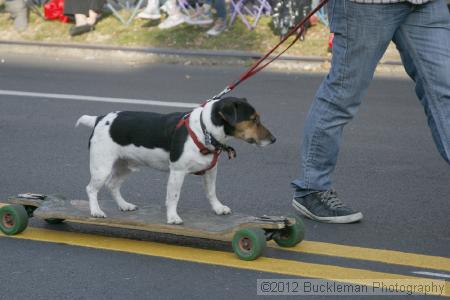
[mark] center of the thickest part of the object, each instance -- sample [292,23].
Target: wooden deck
[197,223]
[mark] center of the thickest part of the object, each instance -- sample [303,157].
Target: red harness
[203,150]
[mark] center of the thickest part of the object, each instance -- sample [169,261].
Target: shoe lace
[331,199]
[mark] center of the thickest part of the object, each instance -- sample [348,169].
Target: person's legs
[221,22]
[80,11]
[221,9]
[19,12]
[96,5]
[80,19]
[424,44]
[92,17]
[175,17]
[151,11]
[95,8]
[202,15]
[85,11]
[362,34]
[74,7]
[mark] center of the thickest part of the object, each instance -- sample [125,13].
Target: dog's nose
[273,140]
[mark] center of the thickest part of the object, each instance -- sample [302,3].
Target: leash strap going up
[256,67]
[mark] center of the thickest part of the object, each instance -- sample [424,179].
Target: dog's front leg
[174,185]
[210,187]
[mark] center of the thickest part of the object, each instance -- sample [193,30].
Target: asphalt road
[388,168]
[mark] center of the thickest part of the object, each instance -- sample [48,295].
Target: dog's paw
[222,210]
[174,219]
[98,214]
[127,207]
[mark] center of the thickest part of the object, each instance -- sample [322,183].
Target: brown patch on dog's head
[243,122]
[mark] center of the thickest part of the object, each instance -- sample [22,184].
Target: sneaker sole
[171,25]
[148,16]
[337,220]
[154,17]
[213,33]
[205,22]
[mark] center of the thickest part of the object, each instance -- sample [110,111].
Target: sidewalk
[142,42]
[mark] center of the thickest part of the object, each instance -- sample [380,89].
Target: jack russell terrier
[180,143]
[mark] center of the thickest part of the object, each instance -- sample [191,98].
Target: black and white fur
[121,142]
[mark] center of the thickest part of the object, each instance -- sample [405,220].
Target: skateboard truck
[274,219]
[278,219]
[277,234]
[32,196]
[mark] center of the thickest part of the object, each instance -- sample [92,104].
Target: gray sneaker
[325,207]
[202,16]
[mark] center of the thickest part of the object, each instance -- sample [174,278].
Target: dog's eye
[256,120]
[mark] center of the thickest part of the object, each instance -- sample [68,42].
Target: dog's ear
[228,112]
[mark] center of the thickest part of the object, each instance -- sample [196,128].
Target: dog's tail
[86,120]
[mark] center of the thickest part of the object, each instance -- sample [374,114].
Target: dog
[180,143]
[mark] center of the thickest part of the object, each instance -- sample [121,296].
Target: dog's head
[241,121]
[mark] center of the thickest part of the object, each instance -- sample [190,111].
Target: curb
[243,55]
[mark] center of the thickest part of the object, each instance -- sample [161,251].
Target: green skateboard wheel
[13,219]
[249,243]
[291,235]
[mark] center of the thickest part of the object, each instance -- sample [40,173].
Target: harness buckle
[207,138]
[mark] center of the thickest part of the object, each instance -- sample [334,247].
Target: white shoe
[151,11]
[172,21]
[164,7]
[155,15]
[219,27]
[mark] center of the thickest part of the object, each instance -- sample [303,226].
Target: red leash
[256,67]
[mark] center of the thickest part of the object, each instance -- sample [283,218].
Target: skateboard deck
[197,223]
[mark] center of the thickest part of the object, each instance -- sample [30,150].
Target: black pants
[72,7]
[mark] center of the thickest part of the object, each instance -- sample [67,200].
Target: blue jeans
[220,7]
[362,34]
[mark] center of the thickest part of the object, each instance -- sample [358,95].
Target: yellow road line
[371,254]
[227,259]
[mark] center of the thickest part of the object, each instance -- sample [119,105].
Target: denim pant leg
[220,7]
[424,44]
[362,34]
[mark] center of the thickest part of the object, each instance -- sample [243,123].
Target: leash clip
[221,94]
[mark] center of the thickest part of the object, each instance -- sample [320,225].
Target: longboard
[248,234]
